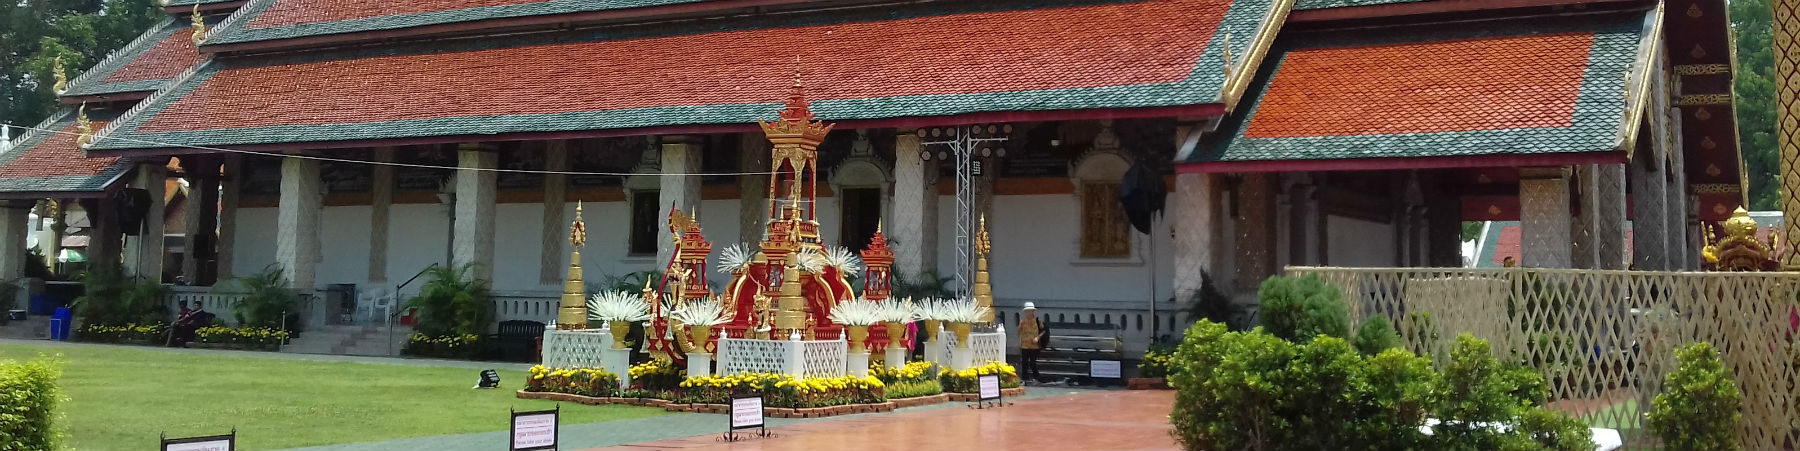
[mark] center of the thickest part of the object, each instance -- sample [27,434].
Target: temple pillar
[682,191]
[1544,217]
[1256,240]
[15,222]
[1676,212]
[1585,249]
[297,223]
[473,230]
[1194,208]
[1303,228]
[556,190]
[104,239]
[228,204]
[1609,216]
[1787,124]
[381,202]
[912,230]
[753,190]
[144,252]
[1649,239]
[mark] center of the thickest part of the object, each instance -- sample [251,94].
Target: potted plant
[962,315]
[857,316]
[700,317]
[896,313]
[618,309]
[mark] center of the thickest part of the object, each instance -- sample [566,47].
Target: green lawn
[121,398]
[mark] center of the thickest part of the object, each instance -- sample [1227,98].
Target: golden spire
[981,237]
[199,26]
[1227,53]
[62,80]
[578,232]
[84,127]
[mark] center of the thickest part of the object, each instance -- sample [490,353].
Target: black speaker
[130,205]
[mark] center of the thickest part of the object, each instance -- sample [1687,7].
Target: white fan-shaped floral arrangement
[844,260]
[616,306]
[898,311]
[857,313]
[961,311]
[810,260]
[734,258]
[707,312]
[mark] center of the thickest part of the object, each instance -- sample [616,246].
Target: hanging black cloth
[131,205]
[1143,194]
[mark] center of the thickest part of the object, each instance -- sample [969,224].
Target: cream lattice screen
[1603,339]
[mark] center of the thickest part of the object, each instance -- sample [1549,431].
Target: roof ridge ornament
[199,26]
[1227,54]
[84,128]
[62,79]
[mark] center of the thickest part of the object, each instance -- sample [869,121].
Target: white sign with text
[1104,369]
[746,412]
[990,387]
[534,431]
[223,444]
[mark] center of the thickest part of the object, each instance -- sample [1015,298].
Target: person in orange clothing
[1033,335]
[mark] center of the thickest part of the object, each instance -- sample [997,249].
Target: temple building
[1279,132]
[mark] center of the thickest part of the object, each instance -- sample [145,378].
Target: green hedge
[28,397]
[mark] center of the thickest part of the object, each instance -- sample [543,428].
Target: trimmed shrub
[1375,335]
[1300,309]
[28,398]
[1701,406]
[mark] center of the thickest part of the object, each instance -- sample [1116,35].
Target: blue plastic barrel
[60,322]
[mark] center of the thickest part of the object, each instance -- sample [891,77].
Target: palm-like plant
[708,312]
[617,306]
[453,303]
[857,313]
[267,298]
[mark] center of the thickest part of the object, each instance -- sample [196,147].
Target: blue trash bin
[59,323]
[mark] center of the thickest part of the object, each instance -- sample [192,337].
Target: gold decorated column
[573,313]
[981,289]
[1787,124]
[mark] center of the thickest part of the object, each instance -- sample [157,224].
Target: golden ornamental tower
[793,228]
[573,314]
[878,282]
[981,290]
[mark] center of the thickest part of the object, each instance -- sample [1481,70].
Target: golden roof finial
[84,127]
[62,80]
[578,232]
[199,26]
[1227,53]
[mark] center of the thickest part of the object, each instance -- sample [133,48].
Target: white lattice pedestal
[621,359]
[962,359]
[576,348]
[806,359]
[896,357]
[699,364]
[859,363]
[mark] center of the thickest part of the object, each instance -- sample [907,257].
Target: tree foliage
[33,33]
[1701,407]
[1755,100]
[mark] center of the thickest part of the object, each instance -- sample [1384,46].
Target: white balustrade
[219,304]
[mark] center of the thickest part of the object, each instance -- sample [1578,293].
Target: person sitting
[185,316]
[192,321]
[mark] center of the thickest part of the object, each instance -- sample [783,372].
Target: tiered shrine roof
[268,20]
[144,65]
[1547,92]
[1011,60]
[41,163]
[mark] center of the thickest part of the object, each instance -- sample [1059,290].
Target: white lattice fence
[824,358]
[818,358]
[984,346]
[577,349]
[1604,340]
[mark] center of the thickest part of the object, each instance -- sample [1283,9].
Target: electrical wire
[396,164]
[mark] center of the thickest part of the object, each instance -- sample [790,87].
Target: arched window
[1105,231]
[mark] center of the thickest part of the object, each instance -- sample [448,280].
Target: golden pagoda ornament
[573,314]
[1732,246]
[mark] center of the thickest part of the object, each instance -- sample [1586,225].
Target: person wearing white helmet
[1033,335]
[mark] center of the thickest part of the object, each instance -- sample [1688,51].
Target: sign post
[988,392]
[1107,371]
[227,442]
[746,413]
[535,431]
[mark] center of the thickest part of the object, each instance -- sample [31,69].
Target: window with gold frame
[1105,233]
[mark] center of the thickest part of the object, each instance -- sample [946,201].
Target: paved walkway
[1098,420]
[676,426]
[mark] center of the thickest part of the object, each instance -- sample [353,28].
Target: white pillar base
[962,359]
[896,357]
[618,361]
[859,363]
[934,352]
[699,365]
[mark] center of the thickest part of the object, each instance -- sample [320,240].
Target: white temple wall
[1360,243]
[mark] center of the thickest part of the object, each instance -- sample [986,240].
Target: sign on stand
[1105,371]
[988,391]
[227,442]
[746,413]
[534,431]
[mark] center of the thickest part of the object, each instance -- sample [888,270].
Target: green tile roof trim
[1600,105]
[237,32]
[92,82]
[63,119]
[1328,4]
[1202,87]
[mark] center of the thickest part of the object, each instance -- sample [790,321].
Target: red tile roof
[175,53]
[57,156]
[1528,81]
[985,52]
[294,12]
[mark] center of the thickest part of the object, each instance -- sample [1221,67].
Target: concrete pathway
[667,427]
[1096,420]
